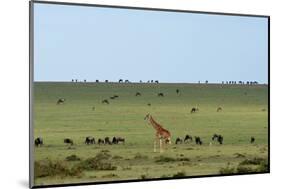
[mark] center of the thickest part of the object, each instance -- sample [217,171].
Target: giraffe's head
[147,116]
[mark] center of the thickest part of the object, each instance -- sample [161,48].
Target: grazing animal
[116,96]
[219,109]
[161,134]
[114,140]
[68,141]
[215,137]
[105,101]
[187,138]
[112,97]
[107,140]
[120,80]
[156,81]
[252,140]
[60,101]
[193,110]
[138,94]
[198,140]
[160,94]
[149,104]
[90,140]
[178,141]
[218,138]
[119,139]
[97,81]
[38,141]
[100,141]
[177,91]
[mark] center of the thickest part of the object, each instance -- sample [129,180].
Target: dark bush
[72,158]
[45,168]
[179,174]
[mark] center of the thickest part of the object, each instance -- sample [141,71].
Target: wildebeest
[107,140]
[116,96]
[160,94]
[252,140]
[90,140]
[117,140]
[106,81]
[217,137]
[178,141]
[156,81]
[68,141]
[187,138]
[220,139]
[219,109]
[105,101]
[193,110]
[138,94]
[38,141]
[112,97]
[120,80]
[177,91]
[100,141]
[97,81]
[198,140]
[61,101]
[148,104]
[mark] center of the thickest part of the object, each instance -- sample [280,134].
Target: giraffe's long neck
[155,125]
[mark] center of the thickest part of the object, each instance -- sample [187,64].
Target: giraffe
[160,134]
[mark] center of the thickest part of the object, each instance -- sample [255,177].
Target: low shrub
[179,174]
[72,158]
[48,168]
[162,159]
[100,162]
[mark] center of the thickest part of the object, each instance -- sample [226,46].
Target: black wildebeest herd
[215,138]
[88,140]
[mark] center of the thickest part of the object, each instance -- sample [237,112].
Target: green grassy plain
[242,117]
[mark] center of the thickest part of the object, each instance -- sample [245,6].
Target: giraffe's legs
[155,143]
[160,145]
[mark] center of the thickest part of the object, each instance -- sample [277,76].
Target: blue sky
[75,42]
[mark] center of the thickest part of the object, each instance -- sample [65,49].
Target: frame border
[31,74]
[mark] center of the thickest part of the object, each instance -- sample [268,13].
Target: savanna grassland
[244,114]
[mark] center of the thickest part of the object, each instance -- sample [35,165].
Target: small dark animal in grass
[215,137]
[117,140]
[100,141]
[178,141]
[107,140]
[68,141]
[116,96]
[198,140]
[187,138]
[138,94]
[156,81]
[90,140]
[177,91]
[252,140]
[105,101]
[148,104]
[193,110]
[220,139]
[219,109]
[160,94]
[38,142]
[112,97]
[61,101]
